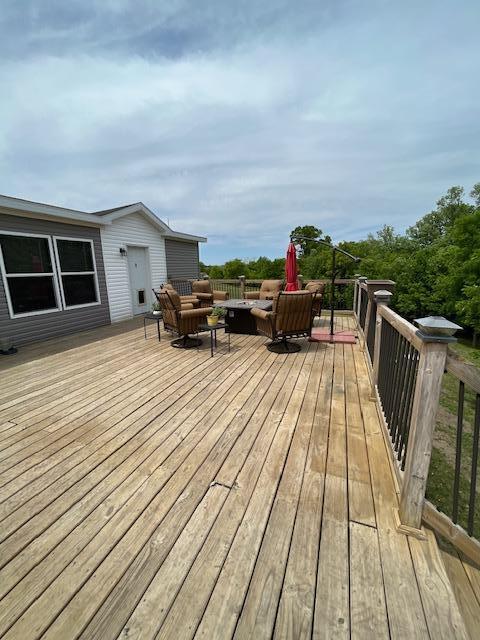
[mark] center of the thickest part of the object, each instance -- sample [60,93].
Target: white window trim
[52,274]
[77,273]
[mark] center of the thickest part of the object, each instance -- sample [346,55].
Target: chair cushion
[201,286]
[315,287]
[269,288]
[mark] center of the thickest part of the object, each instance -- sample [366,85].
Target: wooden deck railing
[407,369]
[236,287]
[463,509]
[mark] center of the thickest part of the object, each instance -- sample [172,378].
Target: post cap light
[382,295]
[436,328]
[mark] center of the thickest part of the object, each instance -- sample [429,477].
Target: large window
[28,274]
[77,272]
[37,283]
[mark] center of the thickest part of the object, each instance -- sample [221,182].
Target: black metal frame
[370,330]
[335,249]
[281,344]
[213,335]
[459,442]
[155,318]
[363,307]
[183,341]
[397,374]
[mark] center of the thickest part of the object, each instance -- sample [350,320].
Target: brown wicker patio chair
[317,289]
[181,321]
[290,317]
[202,289]
[268,290]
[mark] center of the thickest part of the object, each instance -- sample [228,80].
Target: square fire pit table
[239,319]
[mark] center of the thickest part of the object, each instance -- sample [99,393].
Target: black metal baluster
[406,396]
[396,364]
[387,332]
[371,330]
[473,478]
[400,385]
[412,377]
[382,363]
[458,450]
[410,408]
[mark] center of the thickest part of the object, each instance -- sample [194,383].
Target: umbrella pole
[332,295]
[342,336]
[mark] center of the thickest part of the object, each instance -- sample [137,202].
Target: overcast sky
[239,120]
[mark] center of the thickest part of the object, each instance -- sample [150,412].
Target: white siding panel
[133,229]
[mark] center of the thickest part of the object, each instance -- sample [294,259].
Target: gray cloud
[240,123]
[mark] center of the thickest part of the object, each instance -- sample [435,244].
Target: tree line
[435,263]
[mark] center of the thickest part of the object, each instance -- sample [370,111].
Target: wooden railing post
[242,285]
[381,297]
[356,289]
[435,332]
[372,286]
[361,280]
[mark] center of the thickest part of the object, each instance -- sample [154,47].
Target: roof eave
[186,237]
[16,205]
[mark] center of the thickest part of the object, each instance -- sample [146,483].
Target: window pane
[32,294]
[74,255]
[22,254]
[79,290]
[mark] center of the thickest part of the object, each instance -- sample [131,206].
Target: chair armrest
[204,296]
[185,306]
[221,295]
[261,313]
[251,295]
[196,313]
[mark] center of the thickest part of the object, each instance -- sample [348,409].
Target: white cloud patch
[244,125]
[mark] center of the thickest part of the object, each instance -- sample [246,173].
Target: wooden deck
[148,492]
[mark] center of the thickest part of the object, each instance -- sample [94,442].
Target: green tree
[436,263]
[307,231]
[475,194]
[433,226]
[234,268]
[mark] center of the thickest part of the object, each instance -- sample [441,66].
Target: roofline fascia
[138,207]
[186,237]
[27,207]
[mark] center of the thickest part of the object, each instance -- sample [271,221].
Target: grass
[442,467]
[464,349]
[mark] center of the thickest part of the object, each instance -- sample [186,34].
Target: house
[64,270]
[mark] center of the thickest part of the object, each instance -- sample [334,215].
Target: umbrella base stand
[320,334]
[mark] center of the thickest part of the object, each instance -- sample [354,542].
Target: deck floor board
[147,492]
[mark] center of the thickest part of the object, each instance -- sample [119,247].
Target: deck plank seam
[244,382]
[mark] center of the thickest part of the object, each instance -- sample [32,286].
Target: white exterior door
[139,279]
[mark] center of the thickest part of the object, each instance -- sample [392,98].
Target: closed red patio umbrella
[291,269]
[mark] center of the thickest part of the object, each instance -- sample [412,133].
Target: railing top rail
[327,280]
[229,280]
[370,285]
[467,373]
[338,281]
[404,327]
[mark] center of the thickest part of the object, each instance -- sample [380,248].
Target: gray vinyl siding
[49,325]
[182,259]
